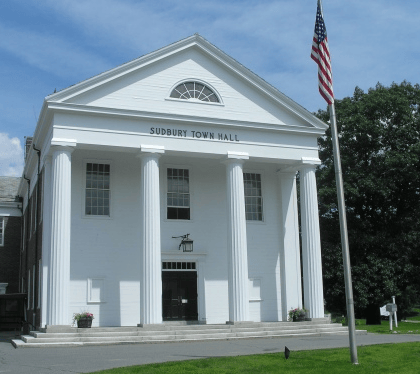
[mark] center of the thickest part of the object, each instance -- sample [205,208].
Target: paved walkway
[89,359]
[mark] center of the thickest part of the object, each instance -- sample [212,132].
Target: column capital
[58,144]
[144,149]
[287,172]
[309,162]
[235,157]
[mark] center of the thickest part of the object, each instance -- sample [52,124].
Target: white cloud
[11,156]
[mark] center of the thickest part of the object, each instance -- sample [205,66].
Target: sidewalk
[89,359]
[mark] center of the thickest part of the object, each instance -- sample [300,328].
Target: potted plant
[297,314]
[84,319]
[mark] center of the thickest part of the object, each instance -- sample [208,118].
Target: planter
[299,318]
[84,322]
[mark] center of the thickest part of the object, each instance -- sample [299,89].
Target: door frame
[199,259]
[188,277]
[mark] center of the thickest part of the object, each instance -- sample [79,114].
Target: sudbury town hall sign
[193,134]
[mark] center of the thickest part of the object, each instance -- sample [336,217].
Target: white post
[395,313]
[59,272]
[237,241]
[311,243]
[151,285]
[291,288]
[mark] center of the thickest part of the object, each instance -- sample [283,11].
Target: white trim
[193,42]
[182,118]
[251,297]
[91,295]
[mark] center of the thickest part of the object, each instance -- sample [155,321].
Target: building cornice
[173,118]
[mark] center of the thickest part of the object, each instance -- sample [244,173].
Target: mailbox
[391,308]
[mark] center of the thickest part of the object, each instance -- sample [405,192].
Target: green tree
[379,135]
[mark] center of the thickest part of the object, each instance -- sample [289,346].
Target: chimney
[28,145]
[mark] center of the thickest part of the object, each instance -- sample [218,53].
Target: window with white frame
[1,231]
[96,290]
[97,196]
[178,194]
[29,289]
[253,197]
[39,283]
[194,91]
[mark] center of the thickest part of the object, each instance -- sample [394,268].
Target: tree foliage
[379,135]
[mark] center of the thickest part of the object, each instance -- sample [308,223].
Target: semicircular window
[194,91]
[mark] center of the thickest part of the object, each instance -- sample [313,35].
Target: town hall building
[165,190]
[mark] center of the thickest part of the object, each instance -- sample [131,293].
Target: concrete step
[99,332]
[170,333]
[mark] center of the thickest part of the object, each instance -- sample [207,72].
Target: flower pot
[84,322]
[299,318]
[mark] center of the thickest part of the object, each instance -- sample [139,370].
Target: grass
[383,359]
[403,327]
[383,328]
[415,315]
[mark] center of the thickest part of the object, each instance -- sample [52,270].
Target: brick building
[10,234]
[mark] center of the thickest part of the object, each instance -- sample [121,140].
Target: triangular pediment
[145,84]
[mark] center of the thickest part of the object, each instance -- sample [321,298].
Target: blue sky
[52,44]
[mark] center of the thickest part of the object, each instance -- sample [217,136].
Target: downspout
[20,198]
[27,245]
[37,275]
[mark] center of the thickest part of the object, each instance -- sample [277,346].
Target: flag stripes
[321,55]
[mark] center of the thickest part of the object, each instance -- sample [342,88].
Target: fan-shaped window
[194,91]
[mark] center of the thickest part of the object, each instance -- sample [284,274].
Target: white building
[184,140]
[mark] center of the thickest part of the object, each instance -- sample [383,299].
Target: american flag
[321,55]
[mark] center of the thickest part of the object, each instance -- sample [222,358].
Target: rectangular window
[39,283]
[25,234]
[29,289]
[33,287]
[1,231]
[97,199]
[253,197]
[178,196]
[35,198]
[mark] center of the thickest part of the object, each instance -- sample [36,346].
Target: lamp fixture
[186,243]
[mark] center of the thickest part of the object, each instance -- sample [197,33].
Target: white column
[151,284]
[59,272]
[46,239]
[311,244]
[237,241]
[291,287]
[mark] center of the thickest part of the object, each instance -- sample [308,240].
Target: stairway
[169,332]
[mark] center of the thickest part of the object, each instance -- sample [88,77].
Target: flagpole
[344,237]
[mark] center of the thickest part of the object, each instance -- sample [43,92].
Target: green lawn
[415,317]
[381,359]
[403,327]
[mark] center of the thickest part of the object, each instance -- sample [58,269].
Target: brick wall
[10,253]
